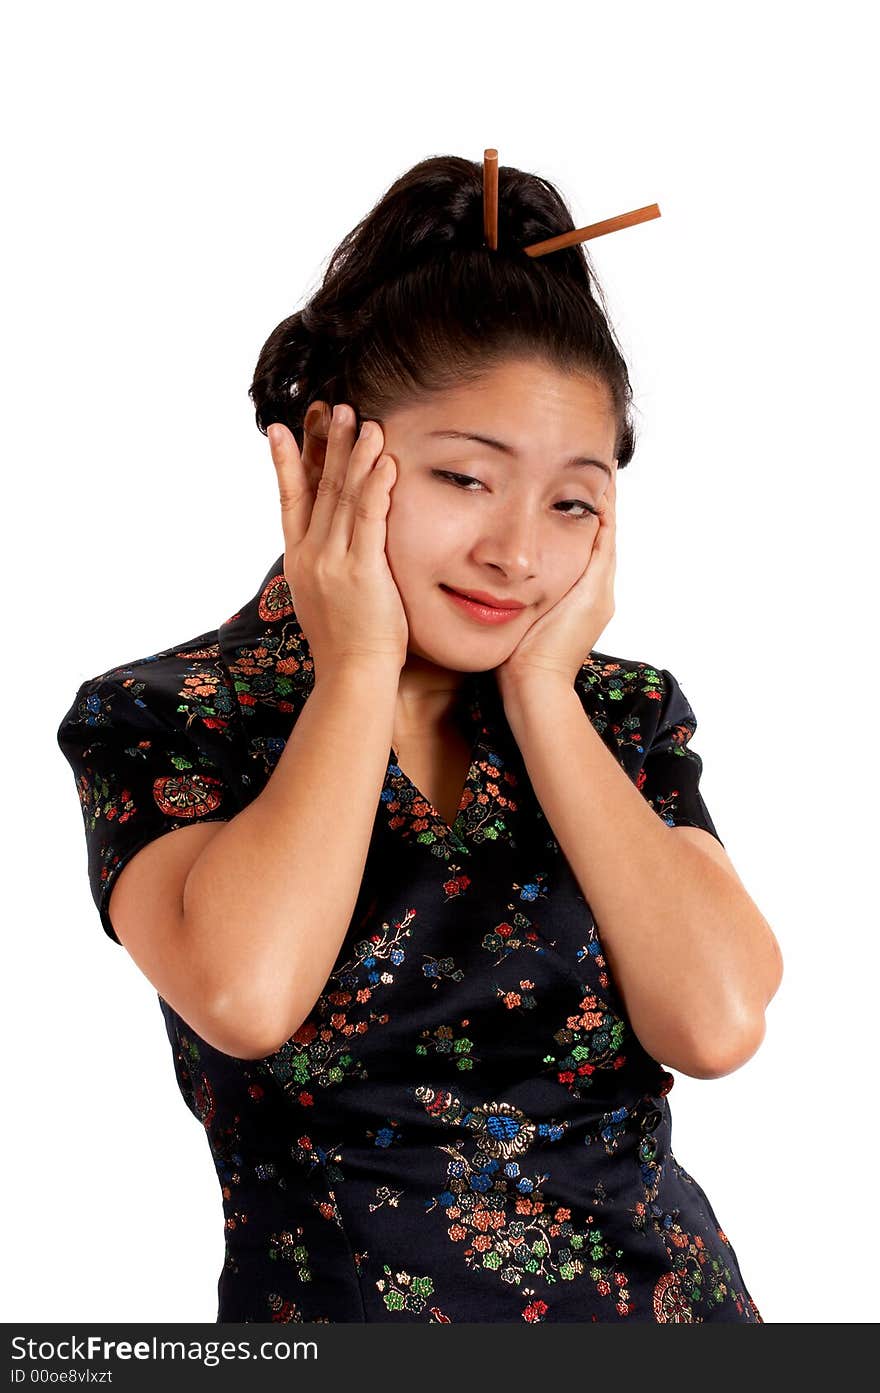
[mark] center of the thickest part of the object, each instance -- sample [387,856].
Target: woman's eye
[458,478]
[462,480]
[579,503]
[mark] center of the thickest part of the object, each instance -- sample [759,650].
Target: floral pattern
[465,1127]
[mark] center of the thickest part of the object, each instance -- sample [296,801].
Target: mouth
[479,597]
[478,609]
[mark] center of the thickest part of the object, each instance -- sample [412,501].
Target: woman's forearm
[268,901]
[695,961]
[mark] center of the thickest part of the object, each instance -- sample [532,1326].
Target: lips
[482,597]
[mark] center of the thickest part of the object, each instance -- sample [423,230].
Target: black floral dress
[466,1127]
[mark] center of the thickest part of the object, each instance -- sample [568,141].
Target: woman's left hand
[560,641]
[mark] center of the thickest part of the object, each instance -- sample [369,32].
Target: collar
[267,655]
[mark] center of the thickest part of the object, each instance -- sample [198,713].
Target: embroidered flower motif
[501,1129]
[187,795]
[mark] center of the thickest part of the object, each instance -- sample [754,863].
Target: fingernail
[272,438]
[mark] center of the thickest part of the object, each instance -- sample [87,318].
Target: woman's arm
[268,902]
[695,961]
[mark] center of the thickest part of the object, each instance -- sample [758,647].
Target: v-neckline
[419,807]
[489,796]
[419,796]
[470,728]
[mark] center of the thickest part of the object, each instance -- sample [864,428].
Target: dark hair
[413,302]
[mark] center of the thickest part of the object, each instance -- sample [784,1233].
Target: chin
[441,640]
[480,655]
[452,662]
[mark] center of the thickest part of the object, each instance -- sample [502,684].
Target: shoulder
[610,678]
[623,686]
[184,690]
[628,700]
[154,745]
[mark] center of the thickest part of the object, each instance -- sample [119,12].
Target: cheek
[419,535]
[401,527]
[566,565]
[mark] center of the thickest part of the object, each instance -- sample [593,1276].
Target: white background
[176,176]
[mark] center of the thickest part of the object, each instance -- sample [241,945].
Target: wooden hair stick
[596,229]
[490,198]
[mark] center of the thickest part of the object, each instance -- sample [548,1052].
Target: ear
[315,432]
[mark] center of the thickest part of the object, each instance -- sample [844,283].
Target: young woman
[444,904]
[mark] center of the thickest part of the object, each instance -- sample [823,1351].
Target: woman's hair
[413,302]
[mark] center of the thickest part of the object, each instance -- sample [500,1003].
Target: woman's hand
[334,504]
[560,641]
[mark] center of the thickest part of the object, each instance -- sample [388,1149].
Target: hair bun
[414,301]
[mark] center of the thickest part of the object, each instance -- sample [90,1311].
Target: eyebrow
[577,462]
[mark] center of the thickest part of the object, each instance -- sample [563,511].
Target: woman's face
[513,522]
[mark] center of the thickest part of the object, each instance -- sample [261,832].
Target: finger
[608,506]
[293,489]
[610,496]
[604,540]
[607,529]
[370,523]
[329,486]
[366,451]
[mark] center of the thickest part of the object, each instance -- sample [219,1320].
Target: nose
[509,542]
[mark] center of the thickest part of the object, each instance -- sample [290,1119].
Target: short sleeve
[153,747]
[670,775]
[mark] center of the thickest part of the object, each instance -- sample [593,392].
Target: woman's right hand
[333,515]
